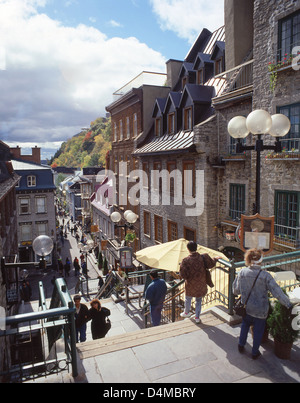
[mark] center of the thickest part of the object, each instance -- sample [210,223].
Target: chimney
[36,155]
[16,152]
[238,30]
[173,70]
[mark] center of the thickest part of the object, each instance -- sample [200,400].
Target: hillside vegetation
[86,149]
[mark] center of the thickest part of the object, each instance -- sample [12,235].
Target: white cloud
[114,24]
[58,79]
[188,17]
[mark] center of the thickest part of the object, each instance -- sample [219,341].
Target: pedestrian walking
[84,268]
[81,319]
[25,291]
[193,271]
[253,284]
[100,324]
[77,237]
[60,267]
[67,267]
[76,266]
[155,294]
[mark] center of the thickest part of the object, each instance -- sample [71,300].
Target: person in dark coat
[100,325]
[155,294]
[76,266]
[81,319]
[193,271]
[25,291]
[67,267]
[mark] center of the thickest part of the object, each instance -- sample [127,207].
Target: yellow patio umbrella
[168,256]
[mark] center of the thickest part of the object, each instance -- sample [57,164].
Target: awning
[181,141]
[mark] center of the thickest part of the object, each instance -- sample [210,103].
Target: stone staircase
[144,336]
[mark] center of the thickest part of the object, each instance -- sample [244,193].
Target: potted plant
[280,327]
[130,237]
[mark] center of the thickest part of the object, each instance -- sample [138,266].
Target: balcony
[238,83]
[287,236]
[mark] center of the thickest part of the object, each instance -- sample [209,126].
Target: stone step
[144,336]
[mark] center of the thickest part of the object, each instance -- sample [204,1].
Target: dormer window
[157,127]
[171,123]
[200,77]
[188,119]
[31,181]
[219,66]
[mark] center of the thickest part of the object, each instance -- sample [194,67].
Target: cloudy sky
[61,60]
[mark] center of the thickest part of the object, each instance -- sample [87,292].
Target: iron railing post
[231,298]
[73,345]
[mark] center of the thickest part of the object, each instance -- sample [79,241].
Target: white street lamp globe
[115,217]
[126,214]
[259,122]
[281,125]
[90,243]
[86,248]
[42,245]
[131,218]
[237,127]
[80,245]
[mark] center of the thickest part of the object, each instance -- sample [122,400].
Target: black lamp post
[258,123]
[130,218]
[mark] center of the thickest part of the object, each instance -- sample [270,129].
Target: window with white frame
[26,232]
[115,132]
[127,127]
[31,181]
[135,125]
[40,205]
[24,205]
[121,129]
[42,228]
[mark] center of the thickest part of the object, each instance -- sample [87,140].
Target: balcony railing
[287,236]
[237,80]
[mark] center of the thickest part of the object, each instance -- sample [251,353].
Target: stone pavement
[200,354]
[204,355]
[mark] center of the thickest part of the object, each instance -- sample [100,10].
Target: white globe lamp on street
[43,245]
[259,122]
[237,127]
[281,125]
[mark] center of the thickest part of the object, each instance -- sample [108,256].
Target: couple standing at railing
[251,278]
[100,324]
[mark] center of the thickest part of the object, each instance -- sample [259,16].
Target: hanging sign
[257,232]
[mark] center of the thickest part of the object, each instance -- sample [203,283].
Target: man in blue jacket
[155,294]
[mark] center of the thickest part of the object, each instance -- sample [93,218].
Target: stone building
[173,198]
[130,120]
[273,31]
[257,33]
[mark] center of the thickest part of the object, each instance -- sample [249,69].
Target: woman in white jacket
[258,304]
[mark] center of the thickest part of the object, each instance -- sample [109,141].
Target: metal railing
[223,276]
[41,343]
[237,78]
